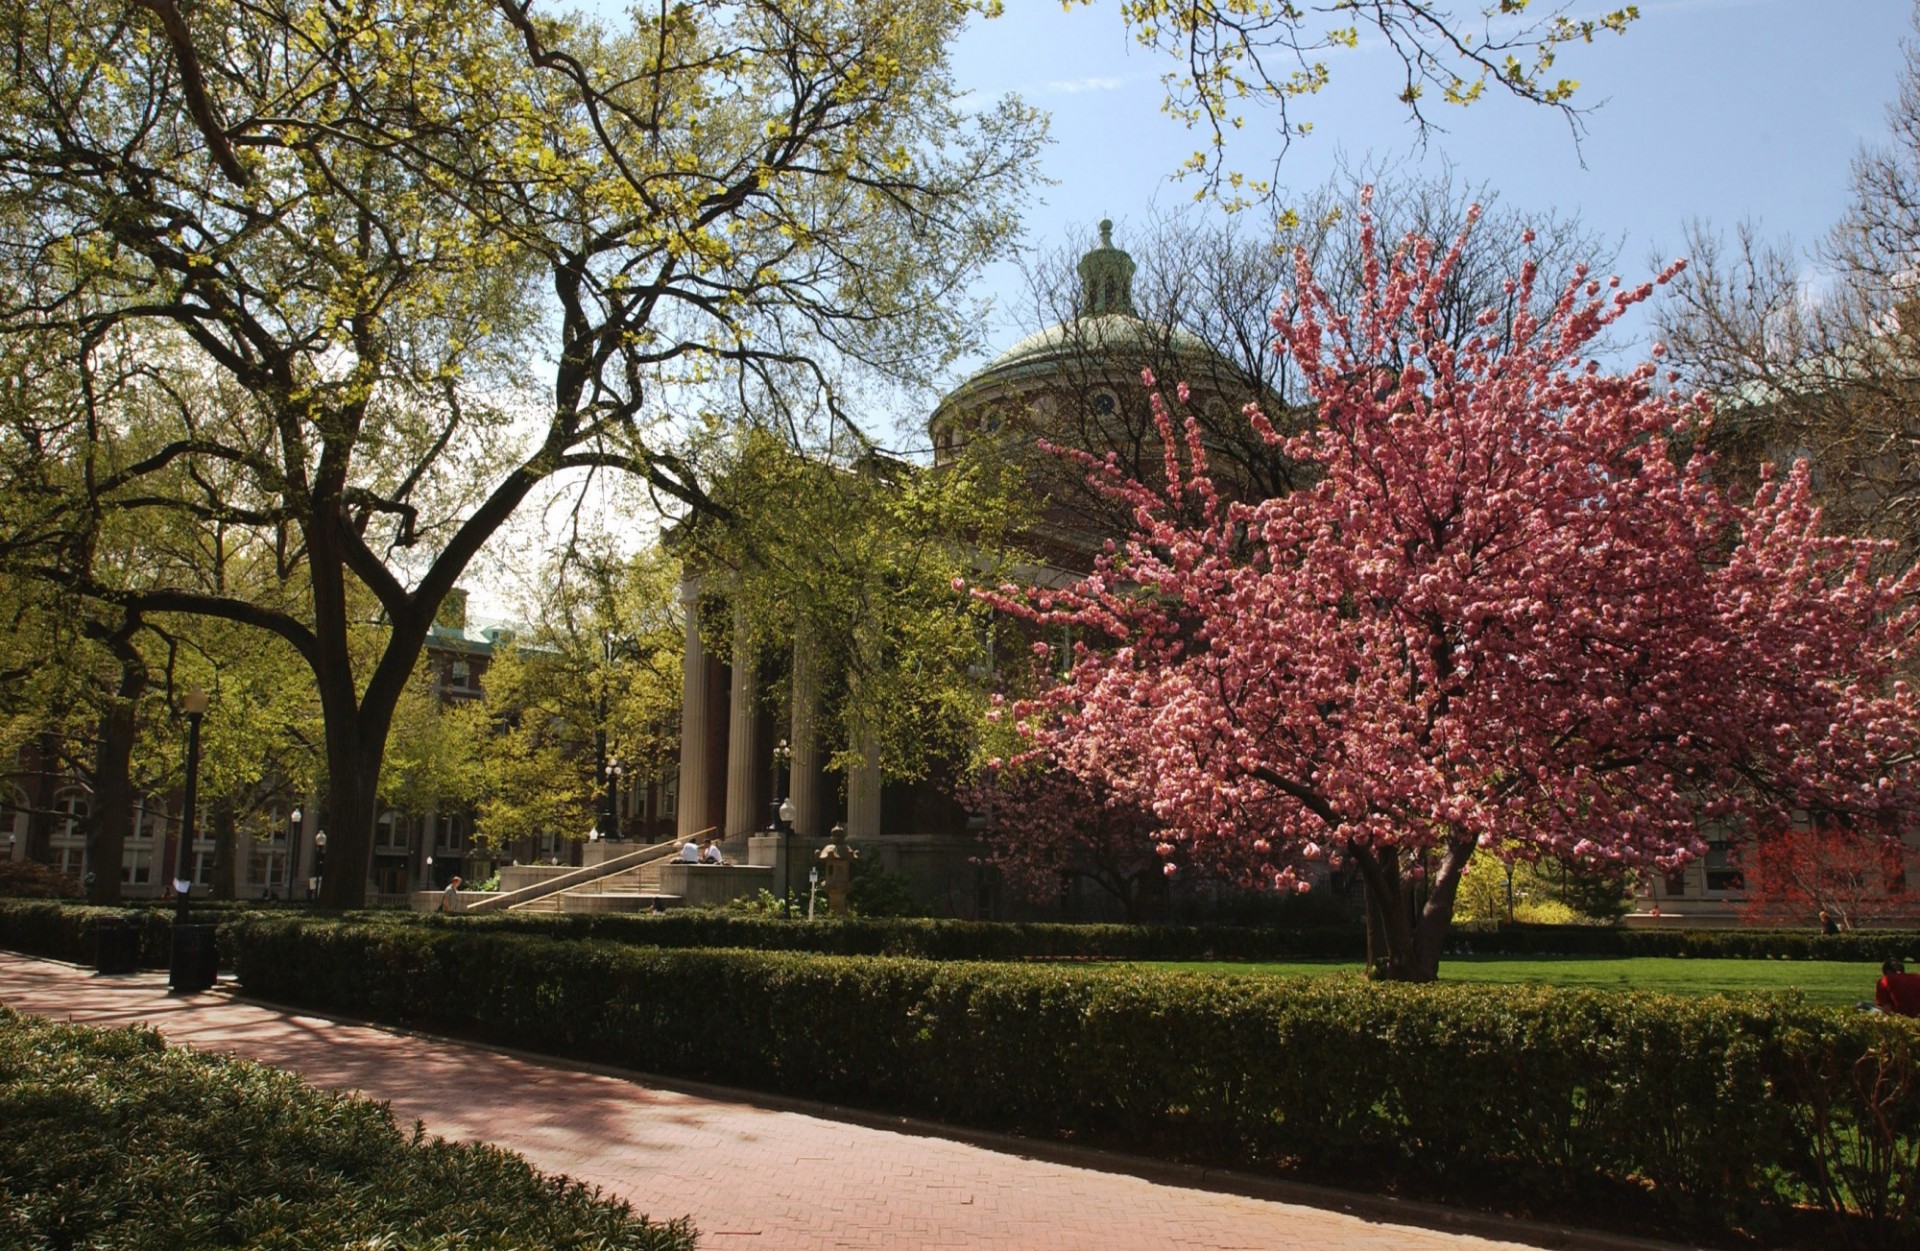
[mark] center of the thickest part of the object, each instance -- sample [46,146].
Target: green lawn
[1832,982]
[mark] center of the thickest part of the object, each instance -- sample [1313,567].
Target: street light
[319,865]
[192,964]
[786,859]
[610,816]
[194,704]
[782,824]
[293,848]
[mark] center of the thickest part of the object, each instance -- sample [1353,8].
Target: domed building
[1076,383]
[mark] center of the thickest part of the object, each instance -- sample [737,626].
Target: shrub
[1713,1113]
[114,1139]
[27,879]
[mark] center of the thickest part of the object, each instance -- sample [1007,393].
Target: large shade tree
[1511,614]
[436,255]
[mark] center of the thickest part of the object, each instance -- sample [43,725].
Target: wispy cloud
[1079,86]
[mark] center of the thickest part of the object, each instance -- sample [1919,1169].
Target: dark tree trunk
[1405,942]
[112,773]
[112,804]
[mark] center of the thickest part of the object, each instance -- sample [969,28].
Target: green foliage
[875,892]
[1542,893]
[114,1139]
[1521,1097]
[855,561]
[24,879]
[600,661]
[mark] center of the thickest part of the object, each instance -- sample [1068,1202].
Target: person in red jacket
[1897,991]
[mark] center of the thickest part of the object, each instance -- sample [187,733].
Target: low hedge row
[923,938]
[114,1139]
[65,931]
[1488,938]
[996,940]
[1617,1108]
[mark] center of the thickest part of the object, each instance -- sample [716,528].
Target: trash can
[116,946]
[195,962]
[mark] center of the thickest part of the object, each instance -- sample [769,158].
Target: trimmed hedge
[64,931]
[920,937]
[114,1139]
[1714,1114]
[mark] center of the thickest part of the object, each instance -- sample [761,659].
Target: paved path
[750,1175]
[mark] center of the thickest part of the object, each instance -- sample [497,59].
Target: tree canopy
[1510,614]
[428,257]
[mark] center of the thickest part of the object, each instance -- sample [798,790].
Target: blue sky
[1726,110]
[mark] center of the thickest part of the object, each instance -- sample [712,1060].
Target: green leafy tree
[860,562]
[366,221]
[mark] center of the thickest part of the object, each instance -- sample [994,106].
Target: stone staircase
[622,881]
[629,890]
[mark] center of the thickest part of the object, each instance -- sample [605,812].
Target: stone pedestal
[709,885]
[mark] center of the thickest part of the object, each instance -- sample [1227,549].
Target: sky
[1720,110]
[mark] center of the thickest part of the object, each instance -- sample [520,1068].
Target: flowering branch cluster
[1514,611]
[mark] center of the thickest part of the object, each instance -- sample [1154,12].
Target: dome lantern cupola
[1106,278]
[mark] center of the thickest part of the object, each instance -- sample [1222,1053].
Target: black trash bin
[195,962]
[116,946]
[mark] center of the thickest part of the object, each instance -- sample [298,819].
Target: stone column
[803,769]
[693,716]
[743,762]
[863,786]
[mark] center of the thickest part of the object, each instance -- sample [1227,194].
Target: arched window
[390,833]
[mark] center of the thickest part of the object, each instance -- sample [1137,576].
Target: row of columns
[746,756]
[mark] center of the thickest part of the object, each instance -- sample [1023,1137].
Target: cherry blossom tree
[1513,613]
[1800,872]
[1048,824]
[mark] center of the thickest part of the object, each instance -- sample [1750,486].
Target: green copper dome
[1106,278]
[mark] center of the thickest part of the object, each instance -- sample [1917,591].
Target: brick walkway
[750,1174]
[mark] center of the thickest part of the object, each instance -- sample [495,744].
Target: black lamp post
[610,812]
[193,963]
[194,704]
[782,823]
[293,849]
[319,865]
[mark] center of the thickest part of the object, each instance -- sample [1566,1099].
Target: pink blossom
[1515,610]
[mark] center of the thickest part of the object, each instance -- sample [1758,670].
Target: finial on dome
[1106,277]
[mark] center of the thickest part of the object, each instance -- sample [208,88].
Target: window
[450,832]
[460,675]
[1676,883]
[136,865]
[390,835]
[670,797]
[150,822]
[267,866]
[1723,867]
[72,807]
